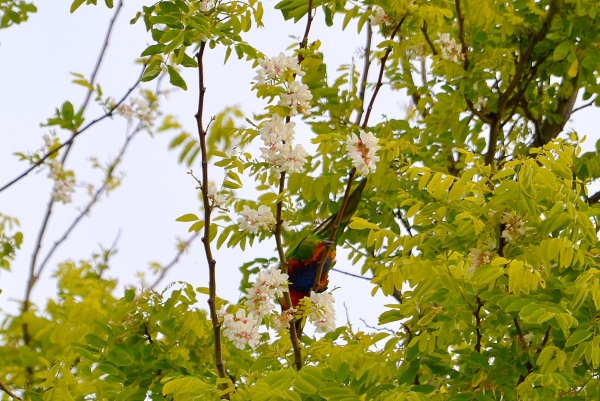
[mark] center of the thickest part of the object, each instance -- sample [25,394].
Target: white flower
[276,68]
[478,258]
[291,160]
[242,329]
[254,221]
[64,183]
[282,321]
[297,98]
[270,285]
[513,226]
[479,104]
[450,49]
[213,194]
[206,5]
[363,151]
[324,316]
[378,17]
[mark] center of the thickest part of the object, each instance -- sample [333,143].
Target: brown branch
[363,83]
[91,203]
[428,39]
[304,42]
[8,391]
[476,313]
[461,34]
[588,104]
[594,198]
[550,129]
[519,71]
[336,223]
[175,260]
[379,83]
[69,142]
[212,263]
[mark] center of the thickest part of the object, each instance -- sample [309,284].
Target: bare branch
[212,263]
[184,247]
[461,34]
[588,104]
[428,39]
[9,392]
[365,74]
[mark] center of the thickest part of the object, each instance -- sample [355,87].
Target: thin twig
[476,313]
[428,39]
[461,34]
[377,328]
[588,104]
[379,83]
[184,247]
[352,274]
[363,83]
[212,263]
[91,203]
[329,244]
[7,391]
[69,141]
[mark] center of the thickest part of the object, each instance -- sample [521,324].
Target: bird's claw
[328,242]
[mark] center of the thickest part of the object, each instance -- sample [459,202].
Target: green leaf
[75,5]
[578,337]
[561,51]
[129,295]
[187,217]
[175,79]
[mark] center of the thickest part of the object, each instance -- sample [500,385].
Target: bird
[303,260]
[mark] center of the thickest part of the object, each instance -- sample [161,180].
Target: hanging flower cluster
[284,70]
[276,69]
[269,286]
[324,315]
[254,221]
[478,258]
[513,226]
[362,150]
[64,182]
[215,197]
[206,5]
[239,328]
[378,17]
[450,49]
[277,136]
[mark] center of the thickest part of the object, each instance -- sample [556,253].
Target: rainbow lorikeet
[303,260]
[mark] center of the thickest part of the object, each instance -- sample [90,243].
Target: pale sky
[35,60]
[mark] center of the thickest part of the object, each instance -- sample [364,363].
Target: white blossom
[362,150]
[254,221]
[277,137]
[269,286]
[513,226]
[64,183]
[206,5]
[241,329]
[378,17]
[297,98]
[450,49]
[324,315]
[276,68]
[479,104]
[478,258]
[291,160]
[214,195]
[281,321]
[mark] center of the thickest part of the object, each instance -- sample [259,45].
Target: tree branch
[461,34]
[476,313]
[9,392]
[212,263]
[363,83]
[184,247]
[428,39]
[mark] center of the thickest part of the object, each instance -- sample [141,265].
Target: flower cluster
[478,258]
[281,321]
[513,226]
[450,49]
[284,70]
[216,198]
[378,17]
[239,328]
[324,315]
[64,182]
[277,137]
[276,68]
[254,221]
[362,150]
[297,98]
[270,285]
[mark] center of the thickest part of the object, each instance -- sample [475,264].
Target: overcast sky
[35,60]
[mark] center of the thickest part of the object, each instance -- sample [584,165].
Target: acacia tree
[476,218]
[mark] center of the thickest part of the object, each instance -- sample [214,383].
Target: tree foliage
[477,222]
